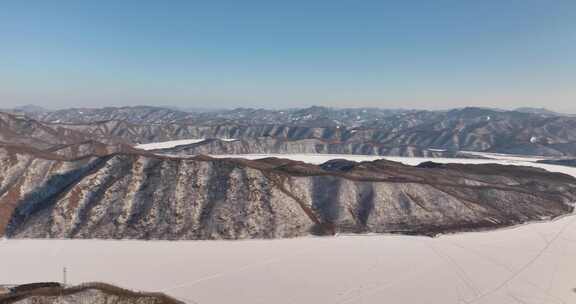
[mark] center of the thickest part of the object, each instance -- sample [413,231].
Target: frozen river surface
[528,264]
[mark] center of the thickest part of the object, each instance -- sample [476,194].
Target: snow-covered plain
[174,143]
[317,158]
[527,264]
[168,144]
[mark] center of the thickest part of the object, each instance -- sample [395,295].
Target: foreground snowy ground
[528,264]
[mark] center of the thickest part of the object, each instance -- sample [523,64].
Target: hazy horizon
[209,109]
[260,54]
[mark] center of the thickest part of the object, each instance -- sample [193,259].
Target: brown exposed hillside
[142,196]
[53,293]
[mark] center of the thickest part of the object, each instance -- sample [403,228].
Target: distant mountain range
[314,129]
[78,173]
[137,195]
[542,111]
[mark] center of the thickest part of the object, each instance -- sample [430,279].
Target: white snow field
[174,143]
[503,159]
[317,158]
[168,144]
[528,264]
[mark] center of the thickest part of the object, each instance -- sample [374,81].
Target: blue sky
[276,54]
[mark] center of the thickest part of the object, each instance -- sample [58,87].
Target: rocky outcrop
[143,196]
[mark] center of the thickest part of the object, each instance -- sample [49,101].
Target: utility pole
[64,279]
